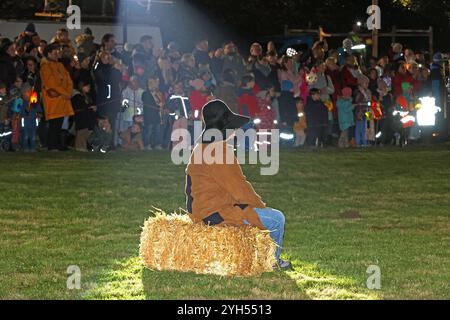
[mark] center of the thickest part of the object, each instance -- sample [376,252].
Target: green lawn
[87,210]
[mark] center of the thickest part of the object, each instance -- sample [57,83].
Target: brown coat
[220,193]
[57,87]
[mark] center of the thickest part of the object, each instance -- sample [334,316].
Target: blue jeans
[152,135]
[274,221]
[360,133]
[29,138]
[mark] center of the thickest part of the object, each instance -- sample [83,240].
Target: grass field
[87,210]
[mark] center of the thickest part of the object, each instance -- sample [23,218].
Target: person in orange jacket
[217,192]
[57,90]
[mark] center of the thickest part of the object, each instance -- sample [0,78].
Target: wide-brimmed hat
[217,115]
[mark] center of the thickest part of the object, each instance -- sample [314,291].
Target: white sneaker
[148,148]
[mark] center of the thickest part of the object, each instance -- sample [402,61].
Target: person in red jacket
[247,100]
[350,73]
[199,97]
[401,77]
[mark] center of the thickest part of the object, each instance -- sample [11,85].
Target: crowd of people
[62,94]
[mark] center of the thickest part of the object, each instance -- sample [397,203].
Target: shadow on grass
[128,279]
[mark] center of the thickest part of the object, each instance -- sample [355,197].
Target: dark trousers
[317,133]
[54,134]
[112,118]
[43,132]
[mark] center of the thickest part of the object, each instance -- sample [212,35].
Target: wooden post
[125,21]
[394,32]
[431,41]
[375,36]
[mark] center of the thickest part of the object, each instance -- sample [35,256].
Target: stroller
[5,138]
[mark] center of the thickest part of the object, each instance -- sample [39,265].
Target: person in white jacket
[132,102]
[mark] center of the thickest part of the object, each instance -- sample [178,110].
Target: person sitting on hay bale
[217,192]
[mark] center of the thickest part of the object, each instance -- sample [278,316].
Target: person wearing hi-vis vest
[217,192]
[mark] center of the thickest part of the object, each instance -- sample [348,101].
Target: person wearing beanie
[27,35]
[230,199]
[30,113]
[345,109]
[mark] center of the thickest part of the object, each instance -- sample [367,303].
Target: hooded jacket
[316,113]
[55,77]
[219,194]
[107,80]
[7,69]
[345,108]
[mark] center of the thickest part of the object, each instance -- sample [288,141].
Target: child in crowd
[265,114]
[199,97]
[317,116]
[248,106]
[133,95]
[16,107]
[5,137]
[180,108]
[153,101]
[287,108]
[247,100]
[301,125]
[83,107]
[363,100]
[30,113]
[101,137]
[346,119]
[207,76]
[4,106]
[132,138]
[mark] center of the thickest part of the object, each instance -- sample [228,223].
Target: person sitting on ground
[132,138]
[230,199]
[100,139]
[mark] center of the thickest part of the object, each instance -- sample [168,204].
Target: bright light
[275,121]
[359,47]
[257,121]
[359,23]
[301,115]
[196,113]
[426,115]
[291,52]
[378,136]
[139,111]
[287,136]
[33,97]
[5,134]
